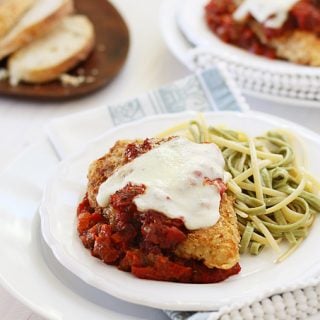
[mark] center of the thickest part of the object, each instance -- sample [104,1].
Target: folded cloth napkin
[210,90]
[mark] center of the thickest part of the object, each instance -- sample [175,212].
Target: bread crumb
[4,74]
[75,81]
[69,80]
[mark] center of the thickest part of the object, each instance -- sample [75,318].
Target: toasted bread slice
[68,43]
[216,246]
[37,21]
[10,13]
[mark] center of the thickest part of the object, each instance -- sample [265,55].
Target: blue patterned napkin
[206,91]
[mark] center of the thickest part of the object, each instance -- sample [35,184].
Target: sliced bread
[10,13]
[46,58]
[37,21]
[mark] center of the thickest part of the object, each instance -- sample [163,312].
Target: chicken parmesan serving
[158,208]
[286,29]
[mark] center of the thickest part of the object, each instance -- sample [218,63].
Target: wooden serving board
[104,63]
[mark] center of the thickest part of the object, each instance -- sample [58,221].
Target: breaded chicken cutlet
[297,46]
[212,248]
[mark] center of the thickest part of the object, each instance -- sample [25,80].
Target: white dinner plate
[259,277]
[191,41]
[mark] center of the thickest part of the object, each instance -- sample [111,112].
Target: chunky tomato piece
[83,222]
[103,246]
[163,236]
[122,199]
[159,230]
[133,257]
[163,269]
[84,206]
[87,220]
[88,237]
[124,239]
[307,15]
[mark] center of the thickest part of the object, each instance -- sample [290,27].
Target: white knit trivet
[298,304]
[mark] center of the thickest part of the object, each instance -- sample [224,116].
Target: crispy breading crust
[101,169]
[297,46]
[217,246]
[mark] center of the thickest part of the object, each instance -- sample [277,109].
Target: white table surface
[149,65]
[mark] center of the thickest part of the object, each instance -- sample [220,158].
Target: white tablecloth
[149,65]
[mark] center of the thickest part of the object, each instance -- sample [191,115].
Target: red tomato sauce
[134,150]
[305,15]
[142,243]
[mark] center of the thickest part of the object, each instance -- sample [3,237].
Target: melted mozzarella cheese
[271,13]
[173,174]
